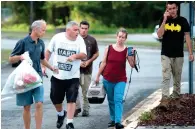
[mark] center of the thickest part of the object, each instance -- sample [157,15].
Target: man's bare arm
[45,63]
[188,42]
[79,56]
[161,30]
[47,57]
[93,57]
[189,45]
[14,59]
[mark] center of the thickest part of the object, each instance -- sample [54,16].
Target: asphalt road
[143,84]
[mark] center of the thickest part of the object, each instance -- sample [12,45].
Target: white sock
[61,113]
[69,121]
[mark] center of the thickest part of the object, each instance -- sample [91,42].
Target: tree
[21,10]
[131,14]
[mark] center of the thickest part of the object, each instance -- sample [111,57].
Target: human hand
[44,71]
[133,51]
[82,64]
[55,70]
[71,58]
[87,63]
[25,56]
[97,80]
[191,57]
[166,15]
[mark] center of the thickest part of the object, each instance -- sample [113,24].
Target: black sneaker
[60,120]
[69,126]
[85,113]
[119,126]
[77,111]
[111,124]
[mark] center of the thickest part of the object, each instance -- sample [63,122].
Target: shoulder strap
[108,52]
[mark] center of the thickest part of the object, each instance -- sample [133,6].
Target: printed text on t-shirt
[64,52]
[64,66]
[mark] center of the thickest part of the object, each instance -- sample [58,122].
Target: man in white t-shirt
[68,49]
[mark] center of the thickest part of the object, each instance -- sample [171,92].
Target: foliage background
[113,14]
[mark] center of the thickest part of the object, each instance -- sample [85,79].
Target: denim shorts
[35,95]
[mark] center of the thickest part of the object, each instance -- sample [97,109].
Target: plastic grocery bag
[22,79]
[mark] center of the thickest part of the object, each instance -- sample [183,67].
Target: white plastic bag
[22,79]
[26,57]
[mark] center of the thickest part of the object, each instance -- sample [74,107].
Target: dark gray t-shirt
[92,48]
[36,51]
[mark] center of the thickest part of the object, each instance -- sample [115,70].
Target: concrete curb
[146,105]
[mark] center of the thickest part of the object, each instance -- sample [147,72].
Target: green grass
[48,35]
[143,44]
[18,35]
[146,44]
[146,116]
[5,53]
[94,29]
[16,31]
[114,30]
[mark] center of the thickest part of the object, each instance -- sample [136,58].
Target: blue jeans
[115,93]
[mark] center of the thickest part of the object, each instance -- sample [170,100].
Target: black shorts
[59,88]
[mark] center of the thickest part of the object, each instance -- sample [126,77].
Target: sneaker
[85,113]
[77,111]
[164,103]
[176,103]
[111,124]
[60,120]
[69,126]
[175,95]
[119,126]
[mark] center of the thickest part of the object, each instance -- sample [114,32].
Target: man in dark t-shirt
[86,67]
[172,30]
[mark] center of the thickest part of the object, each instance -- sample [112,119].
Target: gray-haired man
[35,46]
[68,49]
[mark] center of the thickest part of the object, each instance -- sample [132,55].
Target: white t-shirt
[62,48]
